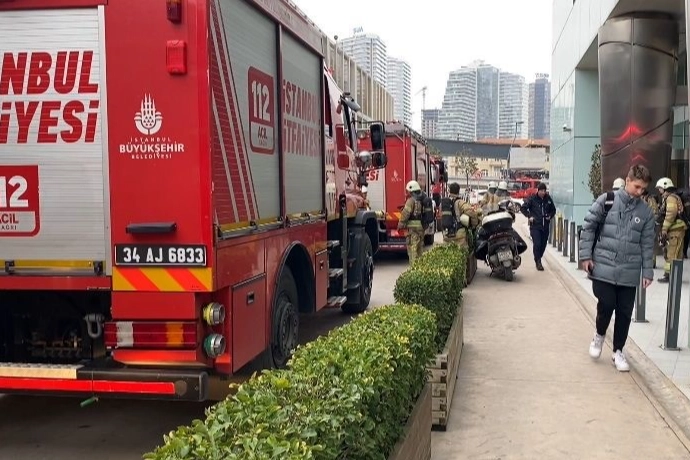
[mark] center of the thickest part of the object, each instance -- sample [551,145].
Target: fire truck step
[332,244]
[335,272]
[336,301]
[45,371]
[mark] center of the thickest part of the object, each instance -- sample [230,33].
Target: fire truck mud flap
[115,382]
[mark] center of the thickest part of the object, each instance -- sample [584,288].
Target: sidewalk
[528,389]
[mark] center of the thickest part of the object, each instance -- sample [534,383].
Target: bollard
[673,306]
[573,236]
[560,234]
[640,304]
[565,237]
[552,233]
[579,230]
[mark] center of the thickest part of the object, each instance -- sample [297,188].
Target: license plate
[177,255]
[504,255]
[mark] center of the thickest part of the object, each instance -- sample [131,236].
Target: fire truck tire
[366,267]
[284,322]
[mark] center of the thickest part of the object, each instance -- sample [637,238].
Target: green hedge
[435,281]
[346,395]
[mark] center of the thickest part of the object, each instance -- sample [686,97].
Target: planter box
[415,443]
[471,269]
[444,372]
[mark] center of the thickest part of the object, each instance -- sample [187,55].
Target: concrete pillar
[638,66]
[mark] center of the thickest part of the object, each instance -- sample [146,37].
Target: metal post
[640,304]
[559,243]
[565,238]
[551,231]
[673,306]
[573,236]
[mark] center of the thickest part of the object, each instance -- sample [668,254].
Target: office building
[513,109]
[369,52]
[430,123]
[539,107]
[399,78]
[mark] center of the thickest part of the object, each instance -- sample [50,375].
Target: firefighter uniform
[490,200]
[654,206]
[673,227]
[411,219]
[462,208]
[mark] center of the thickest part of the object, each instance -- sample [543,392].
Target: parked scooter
[498,244]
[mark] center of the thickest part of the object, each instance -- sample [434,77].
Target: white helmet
[492,184]
[664,183]
[413,186]
[618,183]
[464,220]
[503,185]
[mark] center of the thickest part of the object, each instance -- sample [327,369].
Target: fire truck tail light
[176,57]
[174,10]
[128,334]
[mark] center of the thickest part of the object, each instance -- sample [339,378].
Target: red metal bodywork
[189,189]
[526,188]
[408,159]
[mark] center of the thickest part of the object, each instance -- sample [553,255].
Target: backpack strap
[608,203]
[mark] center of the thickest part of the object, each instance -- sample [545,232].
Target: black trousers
[618,299]
[540,238]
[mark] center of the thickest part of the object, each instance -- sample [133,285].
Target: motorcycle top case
[497,222]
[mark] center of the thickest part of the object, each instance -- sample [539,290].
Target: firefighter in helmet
[654,206]
[618,184]
[672,224]
[411,219]
[461,217]
[489,201]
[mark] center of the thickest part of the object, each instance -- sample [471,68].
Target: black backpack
[427,216]
[449,221]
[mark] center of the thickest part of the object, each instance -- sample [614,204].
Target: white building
[369,52]
[458,117]
[430,123]
[399,84]
[513,110]
[481,102]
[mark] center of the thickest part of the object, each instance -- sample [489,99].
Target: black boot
[540,267]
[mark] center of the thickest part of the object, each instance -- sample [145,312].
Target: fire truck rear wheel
[284,323]
[366,267]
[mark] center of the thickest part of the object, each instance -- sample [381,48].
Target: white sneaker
[596,346]
[620,361]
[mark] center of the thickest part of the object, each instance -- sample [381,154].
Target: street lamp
[517,123]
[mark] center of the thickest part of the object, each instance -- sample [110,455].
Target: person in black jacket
[539,209]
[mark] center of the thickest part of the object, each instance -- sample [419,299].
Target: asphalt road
[41,428]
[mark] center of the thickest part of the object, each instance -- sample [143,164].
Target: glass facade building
[576,111]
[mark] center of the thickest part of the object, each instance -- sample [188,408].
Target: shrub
[435,281]
[345,395]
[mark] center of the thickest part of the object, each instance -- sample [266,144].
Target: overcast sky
[437,36]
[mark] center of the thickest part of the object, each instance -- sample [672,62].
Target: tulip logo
[148,120]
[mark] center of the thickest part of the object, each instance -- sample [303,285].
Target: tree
[595,173]
[467,165]
[433,151]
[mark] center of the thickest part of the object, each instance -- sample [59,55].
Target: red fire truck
[178,182]
[408,159]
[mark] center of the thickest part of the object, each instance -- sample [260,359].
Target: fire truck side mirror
[379,159]
[377,133]
[442,169]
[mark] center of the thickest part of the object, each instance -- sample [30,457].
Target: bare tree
[467,165]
